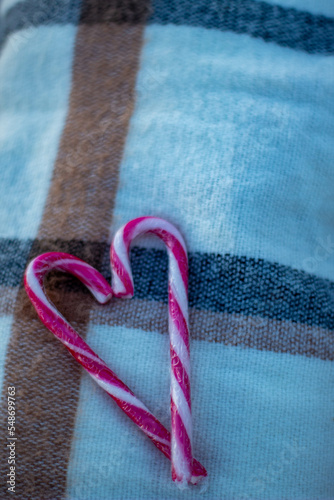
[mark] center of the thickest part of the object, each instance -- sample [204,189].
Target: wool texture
[217,116]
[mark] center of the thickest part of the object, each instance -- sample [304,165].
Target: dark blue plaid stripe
[218,283]
[285,26]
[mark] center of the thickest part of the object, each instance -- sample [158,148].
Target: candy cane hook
[122,284]
[93,364]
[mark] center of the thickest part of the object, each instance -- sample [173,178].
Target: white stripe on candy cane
[119,393]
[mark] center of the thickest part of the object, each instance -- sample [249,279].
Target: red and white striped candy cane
[122,284]
[95,366]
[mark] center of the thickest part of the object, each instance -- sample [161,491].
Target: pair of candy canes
[175,445]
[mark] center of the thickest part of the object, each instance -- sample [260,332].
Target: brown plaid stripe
[79,205]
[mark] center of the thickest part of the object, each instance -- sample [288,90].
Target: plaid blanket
[217,116]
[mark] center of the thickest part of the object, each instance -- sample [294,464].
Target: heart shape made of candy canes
[177,445]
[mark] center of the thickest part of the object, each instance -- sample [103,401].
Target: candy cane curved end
[122,285]
[60,261]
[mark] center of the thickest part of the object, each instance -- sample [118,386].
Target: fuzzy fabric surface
[219,117]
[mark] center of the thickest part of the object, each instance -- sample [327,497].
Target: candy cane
[93,364]
[181,421]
